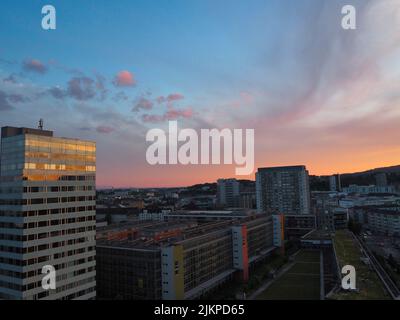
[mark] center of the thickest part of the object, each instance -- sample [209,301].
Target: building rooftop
[387,211]
[240,212]
[189,231]
[317,235]
[7,132]
[296,167]
[348,252]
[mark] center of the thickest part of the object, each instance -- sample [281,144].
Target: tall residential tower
[334,183]
[228,193]
[47,215]
[283,190]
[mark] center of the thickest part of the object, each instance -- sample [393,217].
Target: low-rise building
[353,188]
[385,221]
[297,226]
[182,265]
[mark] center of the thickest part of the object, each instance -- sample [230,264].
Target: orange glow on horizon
[189,176]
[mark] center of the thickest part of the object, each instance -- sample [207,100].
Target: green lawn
[258,275]
[367,281]
[306,267]
[300,282]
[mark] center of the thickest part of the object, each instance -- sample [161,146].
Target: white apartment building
[47,215]
[384,221]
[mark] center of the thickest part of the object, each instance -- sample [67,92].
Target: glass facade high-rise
[47,215]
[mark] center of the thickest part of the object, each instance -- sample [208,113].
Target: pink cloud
[124,79]
[171,97]
[160,99]
[35,66]
[144,104]
[152,118]
[104,129]
[175,96]
[173,114]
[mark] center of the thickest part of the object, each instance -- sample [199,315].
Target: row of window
[53,166]
[79,293]
[44,212]
[46,223]
[27,202]
[42,247]
[6,190]
[45,293]
[61,145]
[46,166]
[44,259]
[45,235]
[61,156]
[47,177]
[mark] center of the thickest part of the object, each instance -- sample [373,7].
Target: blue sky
[285,68]
[172,45]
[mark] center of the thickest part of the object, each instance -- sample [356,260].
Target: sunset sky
[315,94]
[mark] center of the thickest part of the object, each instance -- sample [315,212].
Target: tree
[354,226]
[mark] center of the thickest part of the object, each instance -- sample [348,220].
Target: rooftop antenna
[40,124]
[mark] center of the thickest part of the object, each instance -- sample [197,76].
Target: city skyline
[316,94]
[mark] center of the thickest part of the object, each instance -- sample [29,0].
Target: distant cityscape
[285,235]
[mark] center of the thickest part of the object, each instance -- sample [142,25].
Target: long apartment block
[186,263]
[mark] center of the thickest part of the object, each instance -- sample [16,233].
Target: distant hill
[321,183]
[392,169]
[368,177]
[317,183]
[211,188]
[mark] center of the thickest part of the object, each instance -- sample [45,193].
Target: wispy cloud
[10,78]
[170,98]
[4,102]
[57,92]
[81,88]
[143,104]
[104,129]
[170,114]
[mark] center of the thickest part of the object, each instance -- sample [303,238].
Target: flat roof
[189,233]
[210,213]
[317,235]
[7,132]
[295,167]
